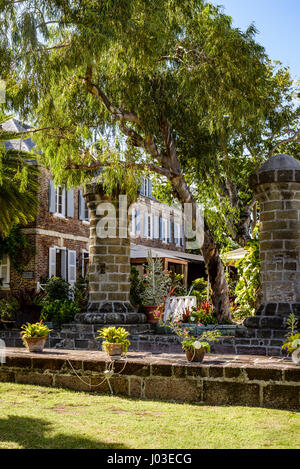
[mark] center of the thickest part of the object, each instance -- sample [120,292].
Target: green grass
[38,417]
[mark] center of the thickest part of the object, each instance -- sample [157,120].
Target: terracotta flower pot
[195,355]
[113,349]
[149,310]
[296,356]
[35,344]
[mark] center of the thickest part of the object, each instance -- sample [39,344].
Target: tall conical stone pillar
[109,261]
[277,189]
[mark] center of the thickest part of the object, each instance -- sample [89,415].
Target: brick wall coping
[219,380]
[157,364]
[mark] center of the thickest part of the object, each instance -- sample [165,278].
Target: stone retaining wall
[219,380]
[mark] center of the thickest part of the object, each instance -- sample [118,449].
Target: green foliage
[292,341]
[34,330]
[17,246]
[248,285]
[30,297]
[177,284]
[137,287]
[190,342]
[200,289]
[18,185]
[157,282]
[81,293]
[202,315]
[57,289]
[59,311]
[9,308]
[114,335]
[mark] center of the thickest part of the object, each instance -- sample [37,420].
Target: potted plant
[34,336]
[196,347]
[292,342]
[115,342]
[157,283]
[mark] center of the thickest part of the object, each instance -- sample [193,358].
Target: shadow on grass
[29,433]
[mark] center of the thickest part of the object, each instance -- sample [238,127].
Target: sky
[278,24]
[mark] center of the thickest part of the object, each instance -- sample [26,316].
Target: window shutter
[52,262]
[169,231]
[133,222]
[71,267]
[64,202]
[52,194]
[151,225]
[138,222]
[161,228]
[142,188]
[182,236]
[156,227]
[149,187]
[146,224]
[81,205]
[70,203]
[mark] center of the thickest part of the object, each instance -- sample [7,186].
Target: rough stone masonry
[109,267]
[277,189]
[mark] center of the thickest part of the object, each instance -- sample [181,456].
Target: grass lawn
[38,417]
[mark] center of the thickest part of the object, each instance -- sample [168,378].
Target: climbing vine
[17,246]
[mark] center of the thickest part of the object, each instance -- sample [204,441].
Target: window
[62,263]
[148,225]
[5,271]
[61,202]
[146,188]
[85,263]
[83,211]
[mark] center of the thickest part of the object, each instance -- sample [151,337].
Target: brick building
[60,233]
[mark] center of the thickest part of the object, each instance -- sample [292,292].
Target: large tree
[171,76]
[18,183]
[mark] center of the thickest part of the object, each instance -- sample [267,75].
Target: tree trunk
[210,252]
[216,275]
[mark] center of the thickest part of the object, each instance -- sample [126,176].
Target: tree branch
[293,138]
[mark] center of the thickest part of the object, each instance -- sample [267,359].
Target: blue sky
[278,23]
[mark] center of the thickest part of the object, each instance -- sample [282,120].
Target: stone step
[93,328]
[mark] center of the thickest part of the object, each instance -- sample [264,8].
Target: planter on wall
[149,310]
[113,350]
[35,344]
[195,355]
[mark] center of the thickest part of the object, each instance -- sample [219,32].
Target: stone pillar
[109,268]
[277,189]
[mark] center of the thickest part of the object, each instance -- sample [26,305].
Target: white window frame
[64,269]
[5,263]
[57,213]
[83,253]
[165,229]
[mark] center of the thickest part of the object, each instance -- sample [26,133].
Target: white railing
[176,305]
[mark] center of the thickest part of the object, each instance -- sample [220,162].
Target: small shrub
[59,311]
[137,287]
[57,289]
[9,308]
